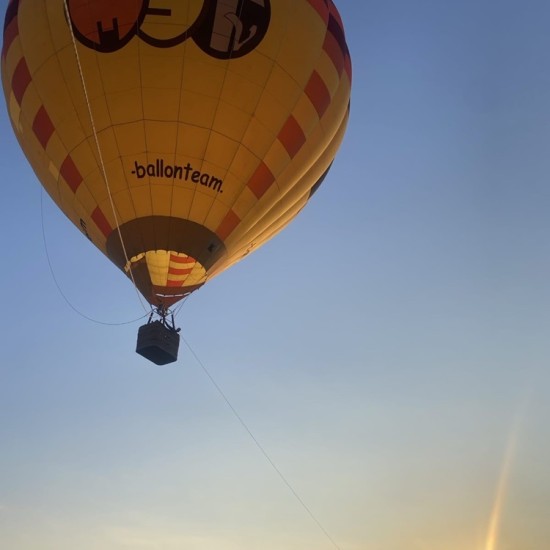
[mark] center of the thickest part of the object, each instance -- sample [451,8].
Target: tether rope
[203,367]
[58,286]
[260,447]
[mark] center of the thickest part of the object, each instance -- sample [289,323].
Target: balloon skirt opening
[158,343]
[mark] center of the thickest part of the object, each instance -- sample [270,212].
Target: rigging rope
[260,447]
[101,161]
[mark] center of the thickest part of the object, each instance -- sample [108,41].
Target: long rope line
[100,155]
[58,286]
[210,377]
[260,447]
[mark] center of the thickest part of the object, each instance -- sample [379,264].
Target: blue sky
[393,389]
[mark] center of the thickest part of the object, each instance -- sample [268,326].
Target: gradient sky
[398,375]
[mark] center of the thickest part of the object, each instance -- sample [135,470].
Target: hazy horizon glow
[502,487]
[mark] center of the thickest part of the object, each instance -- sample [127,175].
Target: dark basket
[158,343]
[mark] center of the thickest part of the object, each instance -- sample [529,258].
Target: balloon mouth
[166,257]
[165,276]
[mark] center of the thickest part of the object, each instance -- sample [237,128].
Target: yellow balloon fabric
[177,135]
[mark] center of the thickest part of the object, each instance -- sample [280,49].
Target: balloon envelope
[177,135]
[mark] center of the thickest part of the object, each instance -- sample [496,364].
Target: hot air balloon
[177,135]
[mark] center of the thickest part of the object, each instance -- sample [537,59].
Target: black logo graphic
[224,29]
